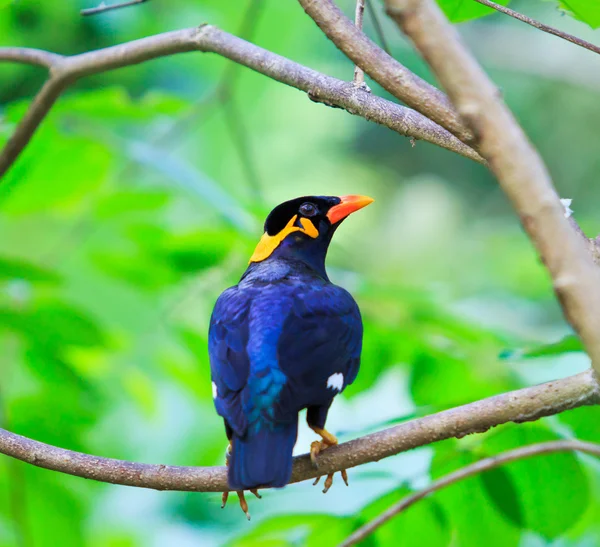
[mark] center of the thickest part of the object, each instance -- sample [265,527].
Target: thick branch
[517,406]
[540,26]
[385,70]
[321,88]
[476,468]
[516,164]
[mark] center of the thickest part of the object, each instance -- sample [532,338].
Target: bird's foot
[240,493]
[316,448]
[242,499]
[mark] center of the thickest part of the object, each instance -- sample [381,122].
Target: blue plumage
[284,339]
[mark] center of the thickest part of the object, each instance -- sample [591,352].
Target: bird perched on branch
[283,339]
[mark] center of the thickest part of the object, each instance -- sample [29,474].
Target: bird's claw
[329,480]
[242,498]
[316,448]
[240,493]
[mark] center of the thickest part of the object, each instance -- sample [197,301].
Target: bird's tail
[263,457]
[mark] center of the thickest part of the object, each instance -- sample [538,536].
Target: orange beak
[349,205]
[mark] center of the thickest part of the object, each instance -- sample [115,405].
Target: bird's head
[303,227]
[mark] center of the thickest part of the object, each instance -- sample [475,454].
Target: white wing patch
[336,381]
[214,389]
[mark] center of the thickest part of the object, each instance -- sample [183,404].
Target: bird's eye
[308,209]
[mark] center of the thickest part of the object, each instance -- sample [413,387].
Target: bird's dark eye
[308,209]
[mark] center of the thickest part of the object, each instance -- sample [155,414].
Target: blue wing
[319,347]
[229,362]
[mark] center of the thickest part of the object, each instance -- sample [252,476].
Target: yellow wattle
[268,244]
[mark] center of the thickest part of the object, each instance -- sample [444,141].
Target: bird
[284,339]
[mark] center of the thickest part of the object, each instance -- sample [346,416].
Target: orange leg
[240,493]
[316,447]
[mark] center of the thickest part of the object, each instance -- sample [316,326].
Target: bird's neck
[311,253]
[285,266]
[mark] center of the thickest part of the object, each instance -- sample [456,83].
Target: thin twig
[377,24]
[541,26]
[517,165]
[359,73]
[469,471]
[104,7]
[519,406]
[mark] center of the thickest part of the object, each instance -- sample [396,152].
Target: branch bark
[476,468]
[29,56]
[518,406]
[540,26]
[385,70]
[64,71]
[516,164]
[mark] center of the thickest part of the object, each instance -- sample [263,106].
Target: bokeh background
[141,198]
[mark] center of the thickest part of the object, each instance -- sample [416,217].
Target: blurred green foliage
[135,205]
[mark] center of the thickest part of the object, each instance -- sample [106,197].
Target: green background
[141,198]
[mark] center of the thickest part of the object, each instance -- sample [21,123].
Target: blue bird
[282,340]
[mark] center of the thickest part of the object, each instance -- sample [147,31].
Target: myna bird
[283,339]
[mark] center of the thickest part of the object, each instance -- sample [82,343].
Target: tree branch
[518,406]
[64,71]
[28,56]
[104,7]
[516,164]
[385,70]
[359,73]
[540,26]
[469,471]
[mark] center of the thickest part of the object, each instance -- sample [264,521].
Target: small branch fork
[540,26]
[466,472]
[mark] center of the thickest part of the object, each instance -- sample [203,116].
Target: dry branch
[515,162]
[519,406]
[64,71]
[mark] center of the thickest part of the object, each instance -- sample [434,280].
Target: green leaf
[501,489]
[130,202]
[440,378]
[135,269]
[587,11]
[553,489]
[13,268]
[190,253]
[46,176]
[301,530]
[425,523]
[568,344]
[53,326]
[465,10]
[468,506]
